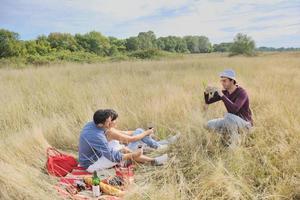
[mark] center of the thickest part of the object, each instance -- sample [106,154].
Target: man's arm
[100,144]
[214,99]
[234,107]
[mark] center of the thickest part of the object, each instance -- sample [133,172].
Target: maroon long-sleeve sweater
[236,103]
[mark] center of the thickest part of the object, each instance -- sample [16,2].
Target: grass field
[49,105]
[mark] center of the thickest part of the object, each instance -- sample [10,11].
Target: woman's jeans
[146,140]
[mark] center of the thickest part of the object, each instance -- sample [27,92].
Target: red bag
[59,164]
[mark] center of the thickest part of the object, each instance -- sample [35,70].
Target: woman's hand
[150,131]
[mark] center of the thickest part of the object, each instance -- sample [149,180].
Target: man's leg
[160,160]
[231,125]
[238,123]
[216,125]
[234,126]
[147,140]
[143,159]
[100,164]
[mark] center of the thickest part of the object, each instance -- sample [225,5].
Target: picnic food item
[88,180]
[80,185]
[95,185]
[108,189]
[116,181]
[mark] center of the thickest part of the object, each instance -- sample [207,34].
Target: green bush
[242,45]
[119,57]
[39,60]
[63,56]
[147,54]
[15,62]
[80,56]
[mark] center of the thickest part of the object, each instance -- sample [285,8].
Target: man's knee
[215,124]
[235,122]
[90,170]
[210,124]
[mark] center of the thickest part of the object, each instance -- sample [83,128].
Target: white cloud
[125,9]
[219,20]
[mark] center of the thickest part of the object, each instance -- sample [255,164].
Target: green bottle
[95,179]
[95,185]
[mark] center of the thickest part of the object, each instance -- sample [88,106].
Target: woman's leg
[147,140]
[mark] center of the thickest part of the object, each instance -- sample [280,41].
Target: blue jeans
[230,124]
[146,140]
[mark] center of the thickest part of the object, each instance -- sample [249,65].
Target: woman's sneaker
[162,147]
[174,138]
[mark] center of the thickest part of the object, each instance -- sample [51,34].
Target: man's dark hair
[100,116]
[114,115]
[234,82]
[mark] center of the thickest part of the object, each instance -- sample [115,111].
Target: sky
[273,23]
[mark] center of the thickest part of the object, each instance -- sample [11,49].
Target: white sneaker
[160,160]
[162,147]
[173,138]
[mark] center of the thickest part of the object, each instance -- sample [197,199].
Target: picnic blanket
[76,184]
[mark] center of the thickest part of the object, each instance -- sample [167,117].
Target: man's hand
[137,153]
[126,150]
[220,93]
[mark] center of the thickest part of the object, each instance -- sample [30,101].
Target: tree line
[95,42]
[93,46]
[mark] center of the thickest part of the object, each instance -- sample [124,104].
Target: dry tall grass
[49,105]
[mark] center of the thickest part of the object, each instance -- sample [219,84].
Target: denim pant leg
[216,124]
[147,140]
[163,142]
[235,126]
[237,123]
[230,123]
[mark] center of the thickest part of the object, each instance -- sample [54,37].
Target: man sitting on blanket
[94,151]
